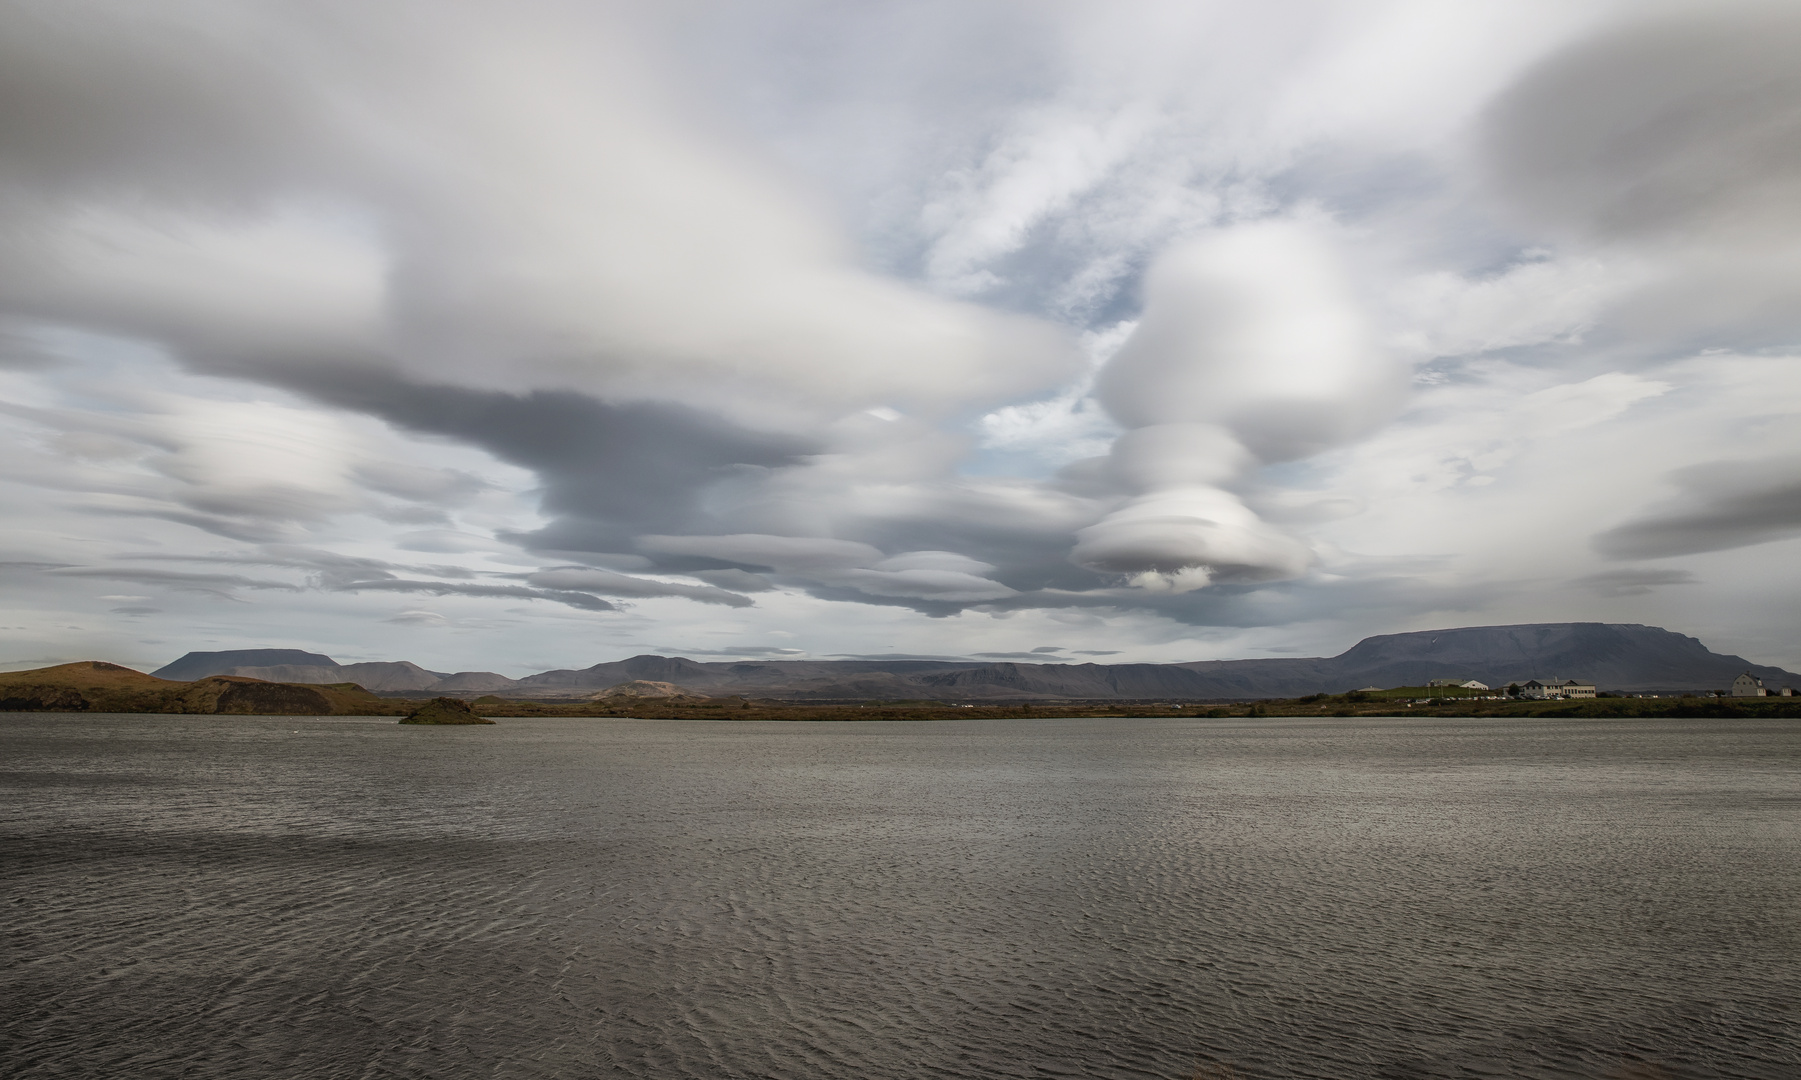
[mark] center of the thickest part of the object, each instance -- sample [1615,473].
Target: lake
[1174,898]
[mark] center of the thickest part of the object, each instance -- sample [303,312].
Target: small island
[444,710]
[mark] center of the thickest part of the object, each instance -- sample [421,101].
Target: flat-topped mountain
[295,666]
[1614,656]
[1620,656]
[198,665]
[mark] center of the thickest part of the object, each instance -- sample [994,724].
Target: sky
[526,335]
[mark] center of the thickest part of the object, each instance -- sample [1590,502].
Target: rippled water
[251,897]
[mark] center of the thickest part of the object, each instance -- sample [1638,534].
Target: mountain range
[1614,656]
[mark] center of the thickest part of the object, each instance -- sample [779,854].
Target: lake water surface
[1346,898]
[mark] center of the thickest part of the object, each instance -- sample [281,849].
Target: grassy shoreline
[91,686]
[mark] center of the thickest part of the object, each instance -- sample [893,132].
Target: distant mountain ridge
[296,666]
[1614,656]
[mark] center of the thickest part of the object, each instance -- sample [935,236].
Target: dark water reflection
[205,897]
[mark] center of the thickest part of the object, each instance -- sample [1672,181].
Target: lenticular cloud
[1254,348]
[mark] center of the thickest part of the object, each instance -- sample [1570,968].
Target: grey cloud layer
[401,184]
[610,471]
[1722,505]
[1672,141]
[574,586]
[1658,125]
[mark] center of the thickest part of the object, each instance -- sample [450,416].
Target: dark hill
[670,669]
[198,665]
[1618,656]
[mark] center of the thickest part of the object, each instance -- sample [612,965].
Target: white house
[1747,685]
[1557,688]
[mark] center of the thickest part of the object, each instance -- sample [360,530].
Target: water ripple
[1223,900]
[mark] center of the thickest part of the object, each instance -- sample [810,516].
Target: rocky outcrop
[444,711]
[42,699]
[233,696]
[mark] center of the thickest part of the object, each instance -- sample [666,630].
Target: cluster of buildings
[1556,689]
[1540,690]
[1746,685]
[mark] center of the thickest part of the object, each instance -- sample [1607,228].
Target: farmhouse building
[1747,685]
[1557,689]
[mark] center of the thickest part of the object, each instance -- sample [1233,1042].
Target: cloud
[920,584]
[175,579]
[781,553]
[926,575]
[1253,348]
[322,568]
[444,542]
[1187,538]
[1613,583]
[560,225]
[571,598]
[775,652]
[336,573]
[1665,143]
[1256,328]
[733,579]
[419,482]
[609,470]
[329,570]
[1664,123]
[899,656]
[1720,506]
[18,352]
[1162,319]
[418,617]
[840,567]
[609,583]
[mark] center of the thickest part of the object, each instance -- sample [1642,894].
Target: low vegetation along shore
[94,686]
